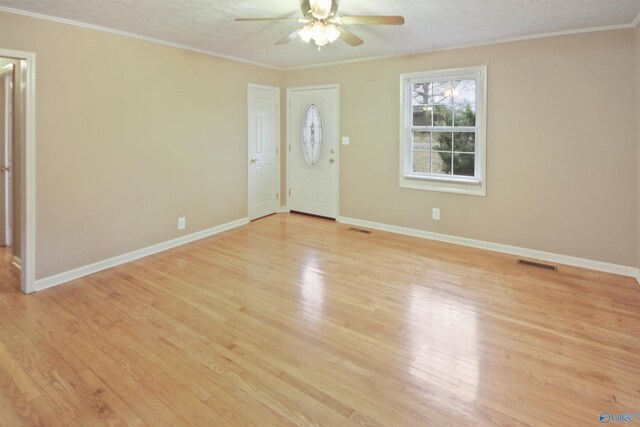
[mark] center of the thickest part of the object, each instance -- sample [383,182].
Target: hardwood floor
[9,275]
[296,320]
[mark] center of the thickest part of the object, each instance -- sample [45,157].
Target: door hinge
[277,196]
[289,191]
[289,148]
[277,151]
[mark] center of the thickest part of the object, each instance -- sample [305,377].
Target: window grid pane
[444,127]
[463,164]
[421,152]
[440,153]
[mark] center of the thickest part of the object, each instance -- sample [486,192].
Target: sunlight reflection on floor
[312,289]
[443,342]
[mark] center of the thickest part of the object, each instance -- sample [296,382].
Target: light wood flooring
[294,320]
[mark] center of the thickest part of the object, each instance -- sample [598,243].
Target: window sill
[472,187]
[458,180]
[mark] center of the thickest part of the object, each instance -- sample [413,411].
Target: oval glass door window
[312,135]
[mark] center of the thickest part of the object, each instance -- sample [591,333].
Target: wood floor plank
[294,320]
[157,350]
[26,385]
[15,407]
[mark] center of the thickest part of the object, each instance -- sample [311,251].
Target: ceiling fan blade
[271,19]
[372,20]
[349,37]
[288,38]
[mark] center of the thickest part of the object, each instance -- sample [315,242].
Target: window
[443,117]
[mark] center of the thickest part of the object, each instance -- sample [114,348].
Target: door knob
[254,160]
[331,161]
[5,169]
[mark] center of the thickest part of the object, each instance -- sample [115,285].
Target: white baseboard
[16,262]
[283,209]
[638,277]
[498,247]
[58,279]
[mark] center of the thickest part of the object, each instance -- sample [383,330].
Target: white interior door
[313,153]
[6,121]
[264,139]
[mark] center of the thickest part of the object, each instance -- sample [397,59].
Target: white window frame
[476,185]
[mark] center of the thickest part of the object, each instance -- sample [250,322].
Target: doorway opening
[17,168]
[10,79]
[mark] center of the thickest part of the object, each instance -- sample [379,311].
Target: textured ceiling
[430,24]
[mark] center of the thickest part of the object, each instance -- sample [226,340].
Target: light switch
[345,140]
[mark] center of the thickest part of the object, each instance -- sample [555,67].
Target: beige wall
[561,125]
[130,136]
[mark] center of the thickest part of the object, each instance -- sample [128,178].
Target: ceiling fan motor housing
[319,9]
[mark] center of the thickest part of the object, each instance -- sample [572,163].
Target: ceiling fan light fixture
[317,31]
[305,33]
[320,32]
[332,32]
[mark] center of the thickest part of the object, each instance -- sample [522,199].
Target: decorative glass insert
[312,135]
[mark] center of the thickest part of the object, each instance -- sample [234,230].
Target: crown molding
[633,24]
[471,45]
[131,35]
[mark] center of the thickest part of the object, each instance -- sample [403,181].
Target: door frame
[27,197]
[335,86]
[278,143]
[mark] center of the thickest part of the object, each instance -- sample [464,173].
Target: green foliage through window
[445,114]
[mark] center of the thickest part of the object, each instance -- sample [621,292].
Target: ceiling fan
[322,24]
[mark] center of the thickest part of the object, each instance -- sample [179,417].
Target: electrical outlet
[182,223]
[436,214]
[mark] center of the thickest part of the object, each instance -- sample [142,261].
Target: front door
[264,139]
[312,128]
